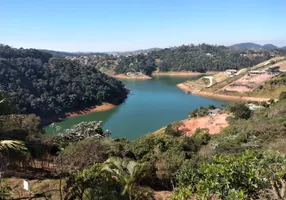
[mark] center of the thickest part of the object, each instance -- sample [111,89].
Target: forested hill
[199,58]
[38,83]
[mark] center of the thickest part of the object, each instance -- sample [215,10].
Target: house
[231,72]
[214,112]
[254,73]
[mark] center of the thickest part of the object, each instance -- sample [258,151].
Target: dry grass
[43,189]
[283,66]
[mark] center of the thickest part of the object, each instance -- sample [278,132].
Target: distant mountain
[283,47]
[253,46]
[269,47]
[247,45]
[63,53]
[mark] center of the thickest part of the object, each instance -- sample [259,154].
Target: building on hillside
[231,72]
[255,73]
[214,112]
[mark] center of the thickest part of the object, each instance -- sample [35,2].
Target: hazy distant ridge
[63,53]
[253,46]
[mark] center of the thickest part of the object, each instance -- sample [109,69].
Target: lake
[150,105]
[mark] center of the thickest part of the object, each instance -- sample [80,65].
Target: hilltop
[253,46]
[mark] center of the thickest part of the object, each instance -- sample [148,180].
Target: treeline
[197,58]
[202,58]
[137,63]
[38,83]
[63,53]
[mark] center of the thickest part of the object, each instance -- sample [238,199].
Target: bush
[173,129]
[91,183]
[84,154]
[282,96]
[240,110]
[231,176]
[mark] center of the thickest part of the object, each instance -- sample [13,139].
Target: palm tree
[12,151]
[126,172]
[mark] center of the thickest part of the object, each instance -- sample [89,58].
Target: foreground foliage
[234,177]
[245,161]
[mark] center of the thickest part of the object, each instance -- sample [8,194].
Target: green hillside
[35,82]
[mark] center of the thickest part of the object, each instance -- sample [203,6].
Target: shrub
[240,110]
[173,129]
[91,183]
[231,176]
[282,95]
[84,154]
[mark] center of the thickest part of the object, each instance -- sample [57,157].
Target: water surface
[151,105]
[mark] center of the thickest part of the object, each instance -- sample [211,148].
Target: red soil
[213,123]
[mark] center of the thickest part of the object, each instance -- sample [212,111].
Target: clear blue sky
[119,25]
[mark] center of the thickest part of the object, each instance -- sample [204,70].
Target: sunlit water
[151,105]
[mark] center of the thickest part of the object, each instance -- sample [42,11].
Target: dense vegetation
[138,63]
[37,83]
[246,161]
[200,58]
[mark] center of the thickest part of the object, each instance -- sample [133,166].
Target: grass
[268,62]
[271,89]
[47,188]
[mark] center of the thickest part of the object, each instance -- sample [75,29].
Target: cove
[150,105]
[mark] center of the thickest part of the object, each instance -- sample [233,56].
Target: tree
[91,183]
[5,107]
[240,110]
[173,129]
[12,152]
[126,172]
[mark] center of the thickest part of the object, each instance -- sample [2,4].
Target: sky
[122,25]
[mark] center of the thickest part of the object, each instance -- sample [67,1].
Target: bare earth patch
[123,76]
[213,123]
[187,89]
[247,83]
[283,66]
[182,73]
[162,195]
[103,107]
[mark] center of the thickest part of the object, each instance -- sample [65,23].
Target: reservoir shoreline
[185,88]
[92,109]
[183,73]
[145,110]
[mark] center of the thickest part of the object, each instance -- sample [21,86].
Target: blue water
[151,105]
